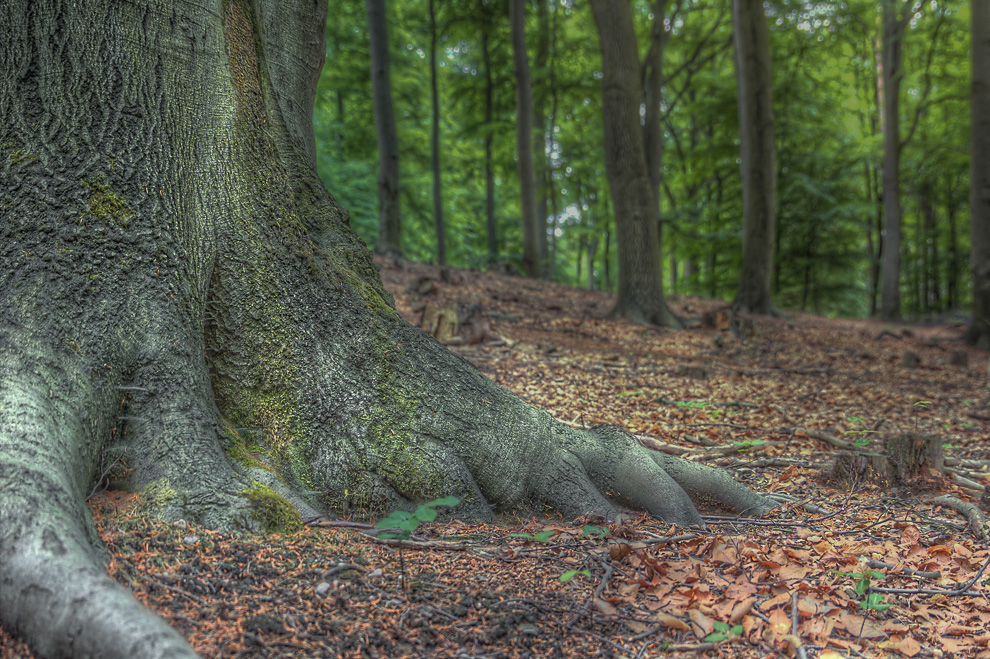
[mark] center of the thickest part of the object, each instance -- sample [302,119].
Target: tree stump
[907,460]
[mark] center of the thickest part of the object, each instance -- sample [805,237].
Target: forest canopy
[827,105]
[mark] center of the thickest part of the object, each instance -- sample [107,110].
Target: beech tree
[979,199]
[389,218]
[895,23]
[640,295]
[757,155]
[175,282]
[524,139]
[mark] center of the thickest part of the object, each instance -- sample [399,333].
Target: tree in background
[896,16]
[435,141]
[524,138]
[979,200]
[490,220]
[757,155]
[640,295]
[389,218]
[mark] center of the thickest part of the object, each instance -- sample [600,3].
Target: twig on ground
[959,590]
[974,516]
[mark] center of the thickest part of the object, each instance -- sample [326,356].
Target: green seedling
[570,574]
[874,602]
[724,631]
[747,444]
[406,523]
[542,537]
[871,601]
[598,532]
[409,522]
[862,441]
[690,404]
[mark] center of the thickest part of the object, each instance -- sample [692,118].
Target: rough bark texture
[524,139]
[177,287]
[757,154]
[894,25]
[389,219]
[640,279]
[979,196]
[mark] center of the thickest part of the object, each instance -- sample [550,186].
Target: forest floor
[776,408]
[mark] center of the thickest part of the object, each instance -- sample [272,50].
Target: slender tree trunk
[952,263]
[435,142]
[489,139]
[894,25]
[524,139]
[979,195]
[389,221]
[170,261]
[640,297]
[758,156]
[652,92]
[541,141]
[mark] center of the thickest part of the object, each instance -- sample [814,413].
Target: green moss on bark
[271,510]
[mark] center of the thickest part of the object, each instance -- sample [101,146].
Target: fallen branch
[959,590]
[974,516]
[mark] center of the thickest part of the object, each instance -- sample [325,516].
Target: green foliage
[828,136]
[724,631]
[871,601]
[406,522]
[542,537]
[570,574]
[597,532]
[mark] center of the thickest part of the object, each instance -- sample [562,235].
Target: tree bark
[435,142]
[894,25]
[979,194]
[389,219]
[176,285]
[757,154]
[640,295]
[524,139]
[489,140]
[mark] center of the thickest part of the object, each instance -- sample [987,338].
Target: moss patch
[271,510]
[105,204]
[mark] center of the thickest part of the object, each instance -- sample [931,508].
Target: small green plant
[856,419]
[570,574]
[409,522]
[724,631]
[406,523]
[747,444]
[542,537]
[598,532]
[862,441]
[691,404]
[874,602]
[871,601]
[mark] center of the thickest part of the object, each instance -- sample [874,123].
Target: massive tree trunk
[640,279]
[176,285]
[389,221]
[894,26]
[979,195]
[757,155]
[524,139]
